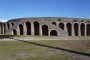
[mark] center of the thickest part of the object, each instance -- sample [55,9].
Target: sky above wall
[10,9]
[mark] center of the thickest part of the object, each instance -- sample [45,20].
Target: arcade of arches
[35,28]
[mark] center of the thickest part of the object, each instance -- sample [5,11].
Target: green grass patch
[18,50]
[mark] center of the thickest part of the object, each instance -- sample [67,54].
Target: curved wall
[46,26]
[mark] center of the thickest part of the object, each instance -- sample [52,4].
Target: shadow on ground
[72,51]
[6,36]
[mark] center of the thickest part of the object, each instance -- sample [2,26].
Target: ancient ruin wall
[46,26]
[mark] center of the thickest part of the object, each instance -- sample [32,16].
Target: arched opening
[59,19]
[45,30]
[8,25]
[69,29]
[54,23]
[36,28]
[75,20]
[21,29]
[82,28]
[88,30]
[12,24]
[14,32]
[76,29]
[1,28]
[4,28]
[61,25]
[53,33]
[28,28]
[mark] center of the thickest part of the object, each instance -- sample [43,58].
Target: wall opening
[4,28]
[14,32]
[8,26]
[75,20]
[53,33]
[88,30]
[28,28]
[1,28]
[21,29]
[12,24]
[76,29]
[82,28]
[54,23]
[59,19]
[61,25]
[69,29]
[45,30]
[36,28]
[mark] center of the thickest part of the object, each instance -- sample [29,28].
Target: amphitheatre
[58,38]
[46,26]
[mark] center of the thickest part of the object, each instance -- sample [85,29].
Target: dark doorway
[28,28]
[1,28]
[88,29]
[36,28]
[12,24]
[82,28]
[69,29]
[54,23]
[76,29]
[45,30]
[53,33]
[4,28]
[14,32]
[61,25]
[21,29]
[8,25]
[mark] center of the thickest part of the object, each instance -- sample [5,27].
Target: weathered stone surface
[46,26]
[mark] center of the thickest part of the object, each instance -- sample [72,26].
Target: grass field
[44,50]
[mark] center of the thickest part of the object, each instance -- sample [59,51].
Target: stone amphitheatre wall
[46,26]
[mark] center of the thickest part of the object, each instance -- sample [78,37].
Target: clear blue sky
[10,9]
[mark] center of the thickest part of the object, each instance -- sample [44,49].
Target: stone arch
[54,23]
[61,25]
[12,24]
[8,26]
[69,29]
[28,28]
[53,33]
[82,28]
[88,29]
[21,29]
[36,28]
[45,30]
[14,32]
[76,29]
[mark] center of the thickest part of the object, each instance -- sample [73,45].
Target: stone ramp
[44,38]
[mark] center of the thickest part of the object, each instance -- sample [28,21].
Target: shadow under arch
[69,29]
[88,29]
[61,25]
[53,33]
[28,27]
[76,29]
[36,27]
[21,29]
[45,30]
[82,28]
[14,32]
